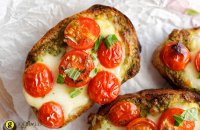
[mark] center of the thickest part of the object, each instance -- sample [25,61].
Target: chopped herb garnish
[188,115]
[93,57]
[178,120]
[191,12]
[97,43]
[75,92]
[110,40]
[73,73]
[93,72]
[60,79]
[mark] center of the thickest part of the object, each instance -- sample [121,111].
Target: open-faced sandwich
[153,109]
[83,59]
[178,58]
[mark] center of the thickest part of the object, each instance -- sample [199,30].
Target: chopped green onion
[97,43]
[178,120]
[191,12]
[93,72]
[188,115]
[93,57]
[60,79]
[75,92]
[73,73]
[110,40]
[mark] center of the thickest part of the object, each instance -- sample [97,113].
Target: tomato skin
[122,113]
[142,124]
[51,115]
[79,60]
[38,80]
[167,121]
[84,32]
[175,56]
[104,87]
[197,61]
[112,57]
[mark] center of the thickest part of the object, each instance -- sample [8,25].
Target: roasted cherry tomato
[51,115]
[38,80]
[141,124]
[166,121]
[197,61]
[104,87]
[82,33]
[175,56]
[122,113]
[112,57]
[79,60]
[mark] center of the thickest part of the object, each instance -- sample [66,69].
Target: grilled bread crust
[52,43]
[146,100]
[178,79]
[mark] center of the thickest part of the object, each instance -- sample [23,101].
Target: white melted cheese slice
[106,27]
[60,92]
[107,125]
[191,73]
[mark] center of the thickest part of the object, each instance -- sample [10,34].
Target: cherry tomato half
[141,124]
[122,113]
[38,80]
[82,33]
[79,60]
[112,57]
[197,61]
[104,87]
[167,121]
[51,115]
[175,56]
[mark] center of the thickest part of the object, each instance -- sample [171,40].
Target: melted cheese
[60,92]
[106,27]
[191,73]
[118,71]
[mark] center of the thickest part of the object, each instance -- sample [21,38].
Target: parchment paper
[24,22]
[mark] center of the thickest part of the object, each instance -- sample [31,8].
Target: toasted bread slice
[51,47]
[189,77]
[150,101]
